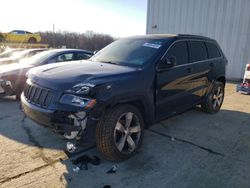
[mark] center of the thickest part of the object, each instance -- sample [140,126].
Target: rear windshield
[130,52]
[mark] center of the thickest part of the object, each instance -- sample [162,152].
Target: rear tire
[120,132]
[32,40]
[2,38]
[214,99]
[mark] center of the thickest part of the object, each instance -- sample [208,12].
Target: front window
[130,52]
[65,57]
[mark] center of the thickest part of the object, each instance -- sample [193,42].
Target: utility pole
[54,36]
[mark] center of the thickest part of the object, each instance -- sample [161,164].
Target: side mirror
[167,62]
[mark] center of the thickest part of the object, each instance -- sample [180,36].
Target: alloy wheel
[218,98]
[127,132]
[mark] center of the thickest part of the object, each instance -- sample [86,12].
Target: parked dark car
[20,55]
[13,76]
[125,87]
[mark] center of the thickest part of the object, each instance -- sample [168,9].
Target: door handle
[189,70]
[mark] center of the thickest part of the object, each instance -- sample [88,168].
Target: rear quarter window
[213,51]
[197,51]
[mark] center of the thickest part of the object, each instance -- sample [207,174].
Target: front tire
[214,99]
[120,133]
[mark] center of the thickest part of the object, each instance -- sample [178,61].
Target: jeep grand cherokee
[125,87]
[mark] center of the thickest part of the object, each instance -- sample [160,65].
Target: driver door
[174,84]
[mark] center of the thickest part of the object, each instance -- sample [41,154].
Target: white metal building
[227,21]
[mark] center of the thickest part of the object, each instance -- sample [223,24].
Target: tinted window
[213,50]
[65,57]
[18,32]
[180,52]
[81,55]
[198,51]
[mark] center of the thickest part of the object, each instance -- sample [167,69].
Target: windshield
[130,52]
[8,52]
[20,55]
[39,58]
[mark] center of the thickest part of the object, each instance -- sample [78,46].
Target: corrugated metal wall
[227,21]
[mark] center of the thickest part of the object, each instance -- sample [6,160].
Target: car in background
[8,52]
[13,76]
[21,36]
[19,55]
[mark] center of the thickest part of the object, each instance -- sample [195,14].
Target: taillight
[248,67]
[246,84]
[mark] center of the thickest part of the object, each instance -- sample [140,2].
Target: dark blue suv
[126,87]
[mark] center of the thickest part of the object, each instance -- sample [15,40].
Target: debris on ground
[172,138]
[82,162]
[112,170]
[70,147]
[76,169]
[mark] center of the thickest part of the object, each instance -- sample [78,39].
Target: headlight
[5,83]
[8,83]
[77,101]
[81,88]
[27,74]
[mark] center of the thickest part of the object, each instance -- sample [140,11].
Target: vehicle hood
[63,76]
[14,68]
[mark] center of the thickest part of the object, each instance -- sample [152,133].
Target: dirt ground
[193,149]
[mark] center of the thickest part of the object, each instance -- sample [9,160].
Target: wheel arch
[140,104]
[32,39]
[222,79]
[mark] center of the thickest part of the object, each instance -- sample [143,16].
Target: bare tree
[89,40]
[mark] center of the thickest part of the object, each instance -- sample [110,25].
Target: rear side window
[18,32]
[213,50]
[80,56]
[180,52]
[198,51]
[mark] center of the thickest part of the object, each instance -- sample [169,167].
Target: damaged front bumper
[63,122]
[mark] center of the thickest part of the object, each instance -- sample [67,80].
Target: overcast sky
[116,17]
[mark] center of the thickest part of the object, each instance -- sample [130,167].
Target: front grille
[38,96]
